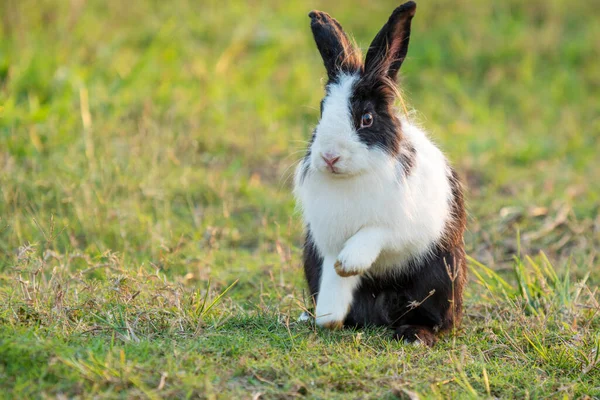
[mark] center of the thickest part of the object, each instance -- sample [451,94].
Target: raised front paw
[344,271]
[354,259]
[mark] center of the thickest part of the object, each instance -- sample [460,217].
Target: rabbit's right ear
[338,53]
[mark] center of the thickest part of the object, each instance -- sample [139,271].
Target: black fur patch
[428,295]
[312,265]
[389,48]
[425,295]
[371,94]
[338,53]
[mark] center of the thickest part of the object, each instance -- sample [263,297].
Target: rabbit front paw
[352,261]
[357,256]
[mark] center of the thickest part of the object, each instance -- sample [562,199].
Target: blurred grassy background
[164,134]
[153,126]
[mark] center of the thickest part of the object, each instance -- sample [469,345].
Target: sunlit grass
[147,150]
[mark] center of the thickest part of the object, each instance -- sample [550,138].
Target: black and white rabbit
[383,209]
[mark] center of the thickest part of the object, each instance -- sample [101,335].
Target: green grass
[145,162]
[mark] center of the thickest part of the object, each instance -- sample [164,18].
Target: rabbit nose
[330,159]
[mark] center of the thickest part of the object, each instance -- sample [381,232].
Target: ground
[149,245]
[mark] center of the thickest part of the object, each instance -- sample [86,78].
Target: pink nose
[330,159]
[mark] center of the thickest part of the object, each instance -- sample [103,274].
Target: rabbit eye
[366,120]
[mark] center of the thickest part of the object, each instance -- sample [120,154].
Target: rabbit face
[337,149]
[358,131]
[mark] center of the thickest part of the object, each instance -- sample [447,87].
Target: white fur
[362,249]
[335,133]
[369,216]
[335,294]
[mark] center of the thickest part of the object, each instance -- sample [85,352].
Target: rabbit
[383,210]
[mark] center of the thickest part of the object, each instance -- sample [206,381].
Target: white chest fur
[413,210]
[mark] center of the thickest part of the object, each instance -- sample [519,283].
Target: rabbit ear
[338,53]
[389,48]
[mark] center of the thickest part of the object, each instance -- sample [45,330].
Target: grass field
[149,245]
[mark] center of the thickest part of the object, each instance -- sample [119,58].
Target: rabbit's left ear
[389,48]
